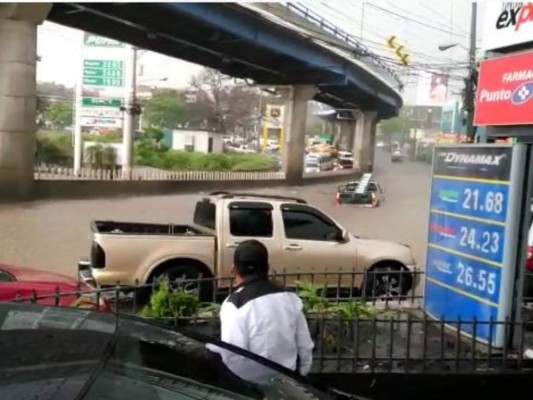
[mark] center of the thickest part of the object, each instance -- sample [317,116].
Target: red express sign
[505,91]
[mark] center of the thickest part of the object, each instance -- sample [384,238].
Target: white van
[324,160]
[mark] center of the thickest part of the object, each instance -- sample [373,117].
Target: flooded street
[54,235]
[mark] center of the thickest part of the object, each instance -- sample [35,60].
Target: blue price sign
[468,272]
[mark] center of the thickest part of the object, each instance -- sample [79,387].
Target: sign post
[473,236]
[102,73]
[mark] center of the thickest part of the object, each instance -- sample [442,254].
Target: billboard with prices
[472,241]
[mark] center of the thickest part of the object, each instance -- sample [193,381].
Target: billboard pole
[470,132]
[78,140]
[129,105]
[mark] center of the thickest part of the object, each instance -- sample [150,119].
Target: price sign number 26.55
[482,280]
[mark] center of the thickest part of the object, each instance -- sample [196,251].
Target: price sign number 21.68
[492,203]
[489,243]
[482,280]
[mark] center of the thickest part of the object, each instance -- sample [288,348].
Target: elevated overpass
[270,44]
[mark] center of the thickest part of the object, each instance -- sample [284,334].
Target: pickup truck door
[245,220]
[312,242]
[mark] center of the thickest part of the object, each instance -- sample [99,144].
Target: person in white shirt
[264,318]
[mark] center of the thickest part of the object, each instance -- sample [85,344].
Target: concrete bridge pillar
[364,137]
[18,96]
[347,132]
[297,97]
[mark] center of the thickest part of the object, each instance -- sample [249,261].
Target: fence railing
[384,288]
[352,331]
[142,174]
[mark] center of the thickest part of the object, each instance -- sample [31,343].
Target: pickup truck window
[303,225]
[252,222]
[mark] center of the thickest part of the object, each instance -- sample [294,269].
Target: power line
[430,21]
[381,45]
[416,21]
[430,9]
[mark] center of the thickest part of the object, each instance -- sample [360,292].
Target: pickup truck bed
[135,228]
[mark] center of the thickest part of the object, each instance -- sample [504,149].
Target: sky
[60,47]
[418,25]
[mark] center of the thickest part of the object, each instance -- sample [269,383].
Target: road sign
[100,72]
[107,112]
[472,242]
[99,102]
[101,81]
[103,64]
[99,41]
[101,122]
[399,50]
[103,73]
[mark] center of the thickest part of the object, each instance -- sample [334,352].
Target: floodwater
[54,235]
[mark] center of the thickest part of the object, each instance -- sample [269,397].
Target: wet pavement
[54,235]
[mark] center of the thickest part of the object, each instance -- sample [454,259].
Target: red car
[24,283]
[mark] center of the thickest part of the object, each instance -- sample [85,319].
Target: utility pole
[78,93]
[130,109]
[470,95]
[362,21]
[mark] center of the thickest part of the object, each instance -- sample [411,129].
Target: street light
[469,82]
[444,47]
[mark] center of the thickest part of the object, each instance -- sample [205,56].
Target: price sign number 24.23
[483,281]
[492,203]
[489,244]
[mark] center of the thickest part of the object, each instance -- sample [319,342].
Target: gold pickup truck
[300,239]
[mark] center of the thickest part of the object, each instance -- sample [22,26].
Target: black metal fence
[352,331]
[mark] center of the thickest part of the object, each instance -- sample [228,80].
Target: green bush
[166,302]
[147,155]
[54,148]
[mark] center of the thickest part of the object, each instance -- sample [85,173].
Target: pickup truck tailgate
[132,258]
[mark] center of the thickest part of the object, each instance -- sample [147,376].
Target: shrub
[147,155]
[54,148]
[166,303]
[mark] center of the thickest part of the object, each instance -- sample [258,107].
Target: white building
[200,141]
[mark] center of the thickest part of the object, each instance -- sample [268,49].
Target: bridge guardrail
[332,29]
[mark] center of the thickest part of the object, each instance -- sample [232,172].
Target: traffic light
[399,50]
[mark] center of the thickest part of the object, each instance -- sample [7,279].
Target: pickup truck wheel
[204,289]
[387,280]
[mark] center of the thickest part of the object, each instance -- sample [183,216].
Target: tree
[59,113]
[215,103]
[211,88]
[165,109]
[42,107]
[242,105]
[399,125]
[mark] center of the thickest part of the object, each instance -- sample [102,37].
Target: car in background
[53,353]
[40,287]
[397,156]
[311,166]
[345,160]
[371,196]
[324,160]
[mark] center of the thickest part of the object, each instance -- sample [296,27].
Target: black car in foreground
[61,353]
